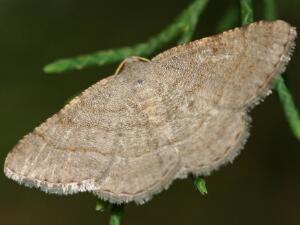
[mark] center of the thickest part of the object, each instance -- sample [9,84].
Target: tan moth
[183,112]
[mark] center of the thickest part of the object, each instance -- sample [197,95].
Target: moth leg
[130,60]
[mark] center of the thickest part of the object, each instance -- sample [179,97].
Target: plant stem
[191,24]
[289,107]
[270,9]
[183,24]
[117,212]
[229,19]
[246,12]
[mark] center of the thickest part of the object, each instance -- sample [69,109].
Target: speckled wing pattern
[184,112]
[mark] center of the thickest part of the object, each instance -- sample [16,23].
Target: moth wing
[235,68]
[212,83]
[101,142]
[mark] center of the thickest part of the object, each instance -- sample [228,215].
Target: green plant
[183,29]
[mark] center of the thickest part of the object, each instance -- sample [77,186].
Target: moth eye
[140,81]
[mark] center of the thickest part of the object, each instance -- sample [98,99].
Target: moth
[183,112]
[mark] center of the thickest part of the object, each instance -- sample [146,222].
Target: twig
[229,19]
[246,11]
[270,10]
[117,212]
[289,107]
[183,24]
[193,18]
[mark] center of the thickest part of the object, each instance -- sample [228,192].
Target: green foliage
[190,19]
[289,106]
[200,185]
[117,212]
[101,205]
[184,24]
[270,9]
[246,12]
[229,19]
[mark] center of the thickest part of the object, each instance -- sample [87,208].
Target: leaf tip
[200,185]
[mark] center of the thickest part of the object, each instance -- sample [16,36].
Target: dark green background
[262,186]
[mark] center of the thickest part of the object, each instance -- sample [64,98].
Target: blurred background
[262,186]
